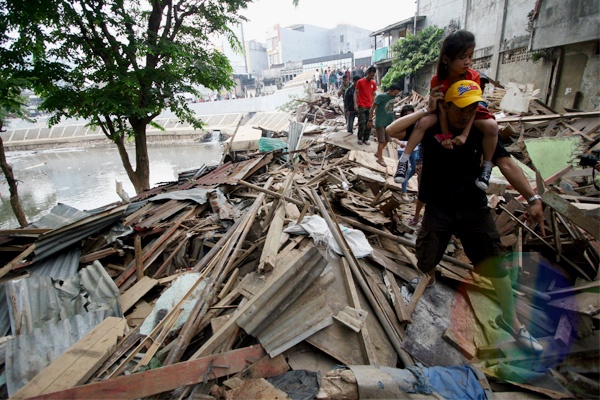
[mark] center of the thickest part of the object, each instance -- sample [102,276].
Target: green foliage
[128,60]
[21,43]
[119,63]
[413,53]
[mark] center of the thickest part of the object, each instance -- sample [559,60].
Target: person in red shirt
[454,61]
[363,100]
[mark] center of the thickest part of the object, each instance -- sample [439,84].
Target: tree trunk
[12,187]
[142,161]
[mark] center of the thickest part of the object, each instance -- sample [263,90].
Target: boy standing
[363,100]
[383,108]
[349,109]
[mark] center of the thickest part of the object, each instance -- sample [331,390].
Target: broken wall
[578,80]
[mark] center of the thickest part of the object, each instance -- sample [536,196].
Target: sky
[324,13]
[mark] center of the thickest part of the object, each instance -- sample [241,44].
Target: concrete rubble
[284,274]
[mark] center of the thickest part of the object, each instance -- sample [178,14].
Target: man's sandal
[413,283]
[521,336]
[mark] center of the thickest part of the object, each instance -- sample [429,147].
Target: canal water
[84,177]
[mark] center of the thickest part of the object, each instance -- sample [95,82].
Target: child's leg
[413,141]
[417,135]
[489,127]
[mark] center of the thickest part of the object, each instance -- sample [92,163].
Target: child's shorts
[483,113]
[382,137]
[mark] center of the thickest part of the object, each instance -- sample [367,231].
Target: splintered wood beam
[271,193]
[366,347]
[275,225]
[572,213]
[8,267]
[164,379]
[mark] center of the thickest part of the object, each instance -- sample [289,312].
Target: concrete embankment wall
[216,115]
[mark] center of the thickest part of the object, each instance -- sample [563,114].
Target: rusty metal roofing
[230,173]
[182,183]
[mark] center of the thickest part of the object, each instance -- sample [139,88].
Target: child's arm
[462,138]
[399,126]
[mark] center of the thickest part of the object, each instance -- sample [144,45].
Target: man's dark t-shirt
[448,176]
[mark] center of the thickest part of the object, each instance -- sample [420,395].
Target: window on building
[341,38]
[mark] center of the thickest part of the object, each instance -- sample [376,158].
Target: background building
[552,44]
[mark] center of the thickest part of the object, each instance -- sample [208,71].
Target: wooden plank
[136,292]
[563,330]
[14,263]
[163,379]
[584,302]
[79,362]
[592,285]
[572,213]
[398,302]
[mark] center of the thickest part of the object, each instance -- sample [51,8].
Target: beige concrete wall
[517,66]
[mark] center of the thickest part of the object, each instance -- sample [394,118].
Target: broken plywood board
[369,160]
[255,389]
[307,315]
[79,362]
[365,211]
[339,341]
[304,356]
[464,331]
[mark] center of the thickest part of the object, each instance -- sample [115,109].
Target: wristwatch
[425,111]
[534,198]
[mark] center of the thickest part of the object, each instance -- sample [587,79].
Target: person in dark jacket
[349,109]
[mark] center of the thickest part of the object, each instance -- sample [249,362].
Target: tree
[21,42]
[6,109]
[120,63]
[413,53]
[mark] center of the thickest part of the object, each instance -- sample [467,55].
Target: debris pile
[287,274]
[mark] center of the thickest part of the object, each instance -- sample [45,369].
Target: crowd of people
[331,80]
[458,141]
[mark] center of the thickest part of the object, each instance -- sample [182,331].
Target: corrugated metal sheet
[60,266]
[56,240]
[36,300]
[4,317]
[27,355]
[60,215]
